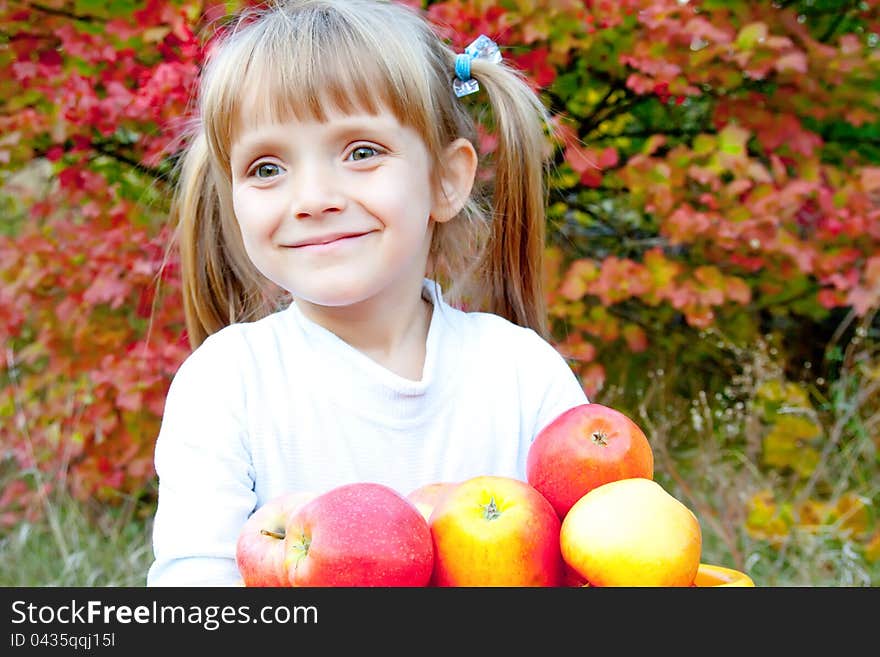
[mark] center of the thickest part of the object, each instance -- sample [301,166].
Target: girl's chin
[335,297]
[340,289]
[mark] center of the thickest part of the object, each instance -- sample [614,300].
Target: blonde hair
[305,55]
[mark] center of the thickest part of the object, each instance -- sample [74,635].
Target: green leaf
[750,35]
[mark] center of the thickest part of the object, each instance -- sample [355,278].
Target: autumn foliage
[717,164]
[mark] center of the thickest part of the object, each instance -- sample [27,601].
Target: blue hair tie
[481,48]
[463,67]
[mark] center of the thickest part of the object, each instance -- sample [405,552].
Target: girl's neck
[390,329]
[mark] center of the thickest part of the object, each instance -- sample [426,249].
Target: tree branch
[64,13]
[601,104]
[130,161]
[839,17]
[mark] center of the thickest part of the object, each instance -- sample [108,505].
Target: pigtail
[512,263]
[220,285]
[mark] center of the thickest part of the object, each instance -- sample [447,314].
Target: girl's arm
[206,479]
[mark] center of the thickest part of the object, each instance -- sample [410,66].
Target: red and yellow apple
[259,551]
[426,497]
[571,577]
[495,531]
[631,532]
[585,447]
[359,534]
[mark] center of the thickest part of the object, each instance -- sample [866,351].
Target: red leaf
[794,61]
[608,158]
[636,338]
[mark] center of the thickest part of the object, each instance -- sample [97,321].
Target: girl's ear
[457,180]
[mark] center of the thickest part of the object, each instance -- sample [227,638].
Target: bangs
[299,64]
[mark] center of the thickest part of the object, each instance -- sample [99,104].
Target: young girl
[330,187]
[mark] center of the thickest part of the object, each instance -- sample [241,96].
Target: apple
[495,531]
[426,497]
[585,447]
[259,550]
[631,532]
[571,577]
[358,534]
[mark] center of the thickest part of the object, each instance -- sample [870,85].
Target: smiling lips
[325,239]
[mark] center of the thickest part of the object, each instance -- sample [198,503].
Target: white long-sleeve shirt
[283,404]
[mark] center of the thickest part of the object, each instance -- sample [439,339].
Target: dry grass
[77,544]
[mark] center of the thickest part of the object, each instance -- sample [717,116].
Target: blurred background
[713,262]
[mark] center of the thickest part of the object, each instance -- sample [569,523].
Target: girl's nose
[314,193]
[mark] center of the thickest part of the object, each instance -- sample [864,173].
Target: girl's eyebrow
[249,144]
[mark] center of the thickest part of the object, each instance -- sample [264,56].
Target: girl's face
[335,212]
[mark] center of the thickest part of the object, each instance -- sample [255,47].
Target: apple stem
[490,510]
[269,532]
[600,438]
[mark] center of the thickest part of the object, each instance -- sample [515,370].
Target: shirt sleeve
[205,472]
[561,388]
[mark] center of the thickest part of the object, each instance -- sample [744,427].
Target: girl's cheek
[255,203]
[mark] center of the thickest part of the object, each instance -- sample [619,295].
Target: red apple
[360,534]
[585,447]
[259,552]
[495,531]
[426,497]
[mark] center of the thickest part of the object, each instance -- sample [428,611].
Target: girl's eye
[267,170]
[363,153]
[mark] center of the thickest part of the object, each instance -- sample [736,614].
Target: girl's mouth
[328,242]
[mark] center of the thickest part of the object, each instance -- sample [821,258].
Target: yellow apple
[631,532]
[495,531]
